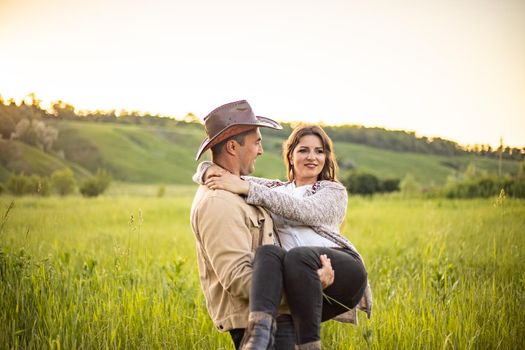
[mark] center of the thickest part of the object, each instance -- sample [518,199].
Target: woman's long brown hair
[329,171]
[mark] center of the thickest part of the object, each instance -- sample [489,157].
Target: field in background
[120,271]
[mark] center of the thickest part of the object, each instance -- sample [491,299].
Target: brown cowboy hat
[231,119]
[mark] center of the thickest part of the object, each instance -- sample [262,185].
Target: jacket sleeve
[227,241]
[326,206]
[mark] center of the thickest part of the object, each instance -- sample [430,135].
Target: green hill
[17,157]
[156,154]
[131,153]
[427,169]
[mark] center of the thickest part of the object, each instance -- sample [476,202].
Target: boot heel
[260,333]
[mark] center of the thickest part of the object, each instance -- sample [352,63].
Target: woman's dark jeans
[296,271]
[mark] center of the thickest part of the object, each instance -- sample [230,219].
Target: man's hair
[240,138]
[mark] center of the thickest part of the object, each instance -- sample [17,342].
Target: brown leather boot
[314,345]
[260,333]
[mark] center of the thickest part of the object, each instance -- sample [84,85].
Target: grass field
[119,271]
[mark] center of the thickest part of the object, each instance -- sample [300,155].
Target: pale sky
[448,68]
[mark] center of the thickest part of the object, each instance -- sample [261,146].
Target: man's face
[248,152]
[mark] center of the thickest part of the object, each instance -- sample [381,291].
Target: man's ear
[231,147]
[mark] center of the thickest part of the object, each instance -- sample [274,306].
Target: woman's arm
[263,181]
[198,177]
[202,174]
[326,206]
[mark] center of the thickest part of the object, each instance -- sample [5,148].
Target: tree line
[473,183]
[12,125]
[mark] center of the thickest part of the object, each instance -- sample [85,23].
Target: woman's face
[308,159]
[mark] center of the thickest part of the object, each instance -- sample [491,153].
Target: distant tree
[346,164]
[19,185]
[521,171]
[471,172]
[517,188]
[46,135]
[389,185]
[63,181]
[41,185]
[95,185]
[409,186]
[7,124]
[363,184]
[25,133]
[31,100]
[35,133]
[63,110]
[191,118]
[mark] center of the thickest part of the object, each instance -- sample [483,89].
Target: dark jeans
[296,271]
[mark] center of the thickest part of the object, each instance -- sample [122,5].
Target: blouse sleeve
[326,206]
[201,170]
[262,181]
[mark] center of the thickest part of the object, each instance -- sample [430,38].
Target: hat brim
[261,122]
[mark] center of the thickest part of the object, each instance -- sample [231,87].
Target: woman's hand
[213,170]
[223,180]
[326,273]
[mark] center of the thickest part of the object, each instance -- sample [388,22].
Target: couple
[272,263]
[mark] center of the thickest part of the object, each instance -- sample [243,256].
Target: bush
[63,181]
[486,187]
[364,184]
[19,185]
[40,185]
[2,189]
[517,189]
[95,185]
[161,191]
[389,185]
[368,184]
[409,186]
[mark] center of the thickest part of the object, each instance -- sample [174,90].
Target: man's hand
[326,273]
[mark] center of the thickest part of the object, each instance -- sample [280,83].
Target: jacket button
[270,234]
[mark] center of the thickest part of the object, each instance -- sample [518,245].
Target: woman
[307,212]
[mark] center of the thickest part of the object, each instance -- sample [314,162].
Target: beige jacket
[228,231]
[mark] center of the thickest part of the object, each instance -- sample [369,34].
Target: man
[228,230]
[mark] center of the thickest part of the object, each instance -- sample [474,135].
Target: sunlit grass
[120,272]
